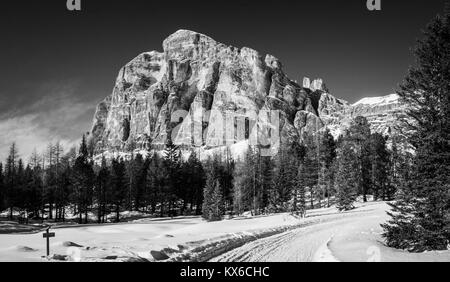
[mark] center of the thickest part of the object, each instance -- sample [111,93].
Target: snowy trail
[299,245]
[349,237]
[315,242]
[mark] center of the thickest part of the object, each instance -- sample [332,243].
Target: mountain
[382,113]
[203,94]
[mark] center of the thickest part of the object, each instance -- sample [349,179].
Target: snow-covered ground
[133,240]
[325,235]
[353,236]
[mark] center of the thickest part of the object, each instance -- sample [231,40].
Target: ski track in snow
[353,236]
[297,245]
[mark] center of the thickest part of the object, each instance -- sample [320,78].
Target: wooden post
[48,235]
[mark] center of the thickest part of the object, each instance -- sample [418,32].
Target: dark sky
[56,64]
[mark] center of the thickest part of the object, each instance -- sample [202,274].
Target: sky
[57,65]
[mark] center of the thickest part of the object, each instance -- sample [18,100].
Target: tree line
[308,174]
[56,184]
[320,171]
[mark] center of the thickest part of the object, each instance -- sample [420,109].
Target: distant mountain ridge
[383,100]
[382,113]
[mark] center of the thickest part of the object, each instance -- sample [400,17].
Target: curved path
[319,241]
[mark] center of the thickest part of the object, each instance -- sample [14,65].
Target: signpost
[48,235]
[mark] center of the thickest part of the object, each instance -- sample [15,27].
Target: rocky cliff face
[382,113]
[204,94]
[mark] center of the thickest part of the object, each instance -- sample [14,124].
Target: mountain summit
[203,94]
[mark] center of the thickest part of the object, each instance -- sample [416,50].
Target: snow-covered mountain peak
[378,101]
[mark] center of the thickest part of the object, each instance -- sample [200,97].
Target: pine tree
[242,182]
[420,218]
[2,189]
[172,164]
[400,162]
[380,166]
[154,184]
[267,180]
[186,188]
[11,179]
[29,193]
[226,177]
[359,133]
[59,181]
[310,167]
[254,191]
[34,185]
[299,203]
[217,208]
[208,190]
[36,193]
[50,179]
[83,151]
[136,172]
[239,186]
[327,156]
[346,176]
[194,179]
[119,186]
[20,191]
[284,179]
[66,190]
[213,206]
[103,191]
[247,193]
[35,159]
[83,178]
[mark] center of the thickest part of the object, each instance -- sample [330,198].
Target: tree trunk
[50,211]
[99,214]
[103,213]
[328,200]
[117,213]
[153,208]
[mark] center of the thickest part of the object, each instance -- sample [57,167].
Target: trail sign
[48,235]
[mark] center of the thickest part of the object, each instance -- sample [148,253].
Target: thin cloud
[57,116]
